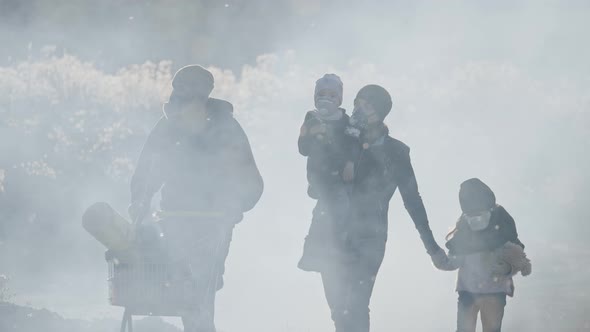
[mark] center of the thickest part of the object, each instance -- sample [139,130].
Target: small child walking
[484,246]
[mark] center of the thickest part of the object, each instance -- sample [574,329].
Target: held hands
[445,263]
[440,259]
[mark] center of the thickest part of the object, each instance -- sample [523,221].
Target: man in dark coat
[200,158]
[383,166]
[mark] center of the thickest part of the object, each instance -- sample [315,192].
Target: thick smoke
[494,91]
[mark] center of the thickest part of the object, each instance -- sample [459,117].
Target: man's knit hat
[192,81]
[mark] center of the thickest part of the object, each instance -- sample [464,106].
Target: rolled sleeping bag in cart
[108,227]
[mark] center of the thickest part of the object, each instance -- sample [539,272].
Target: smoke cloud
[498,91]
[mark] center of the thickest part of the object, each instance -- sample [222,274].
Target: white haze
[498,91]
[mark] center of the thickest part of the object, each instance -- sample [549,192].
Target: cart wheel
[127,322]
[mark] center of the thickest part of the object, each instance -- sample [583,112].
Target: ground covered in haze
[26,319]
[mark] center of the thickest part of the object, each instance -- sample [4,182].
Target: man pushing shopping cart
[199,159]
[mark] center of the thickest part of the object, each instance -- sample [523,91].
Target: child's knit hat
[331,82]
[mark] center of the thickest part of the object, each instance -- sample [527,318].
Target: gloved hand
[501,268]
[312,192]
[526,269]
[514,255]
[439,259]
[317,129]
[137,211]
[429,242]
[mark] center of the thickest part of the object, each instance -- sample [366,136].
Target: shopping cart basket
[155,282]
[148,286]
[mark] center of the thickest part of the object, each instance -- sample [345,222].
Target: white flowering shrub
[66,111]
[5,293]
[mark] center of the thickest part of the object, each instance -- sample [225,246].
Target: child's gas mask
[325,107]
[479,221]
[327,102]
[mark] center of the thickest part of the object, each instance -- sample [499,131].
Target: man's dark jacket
[211,172]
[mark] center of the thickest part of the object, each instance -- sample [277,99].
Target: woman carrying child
[382,166]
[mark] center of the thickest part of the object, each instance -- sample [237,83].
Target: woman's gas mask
[479,221]
[359,119]
[358,122]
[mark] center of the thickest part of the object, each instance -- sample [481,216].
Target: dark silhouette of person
[200,159]
[382,167]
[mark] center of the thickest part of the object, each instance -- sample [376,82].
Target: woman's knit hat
[377,96]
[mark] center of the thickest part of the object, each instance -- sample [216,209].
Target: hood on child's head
[475,196]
